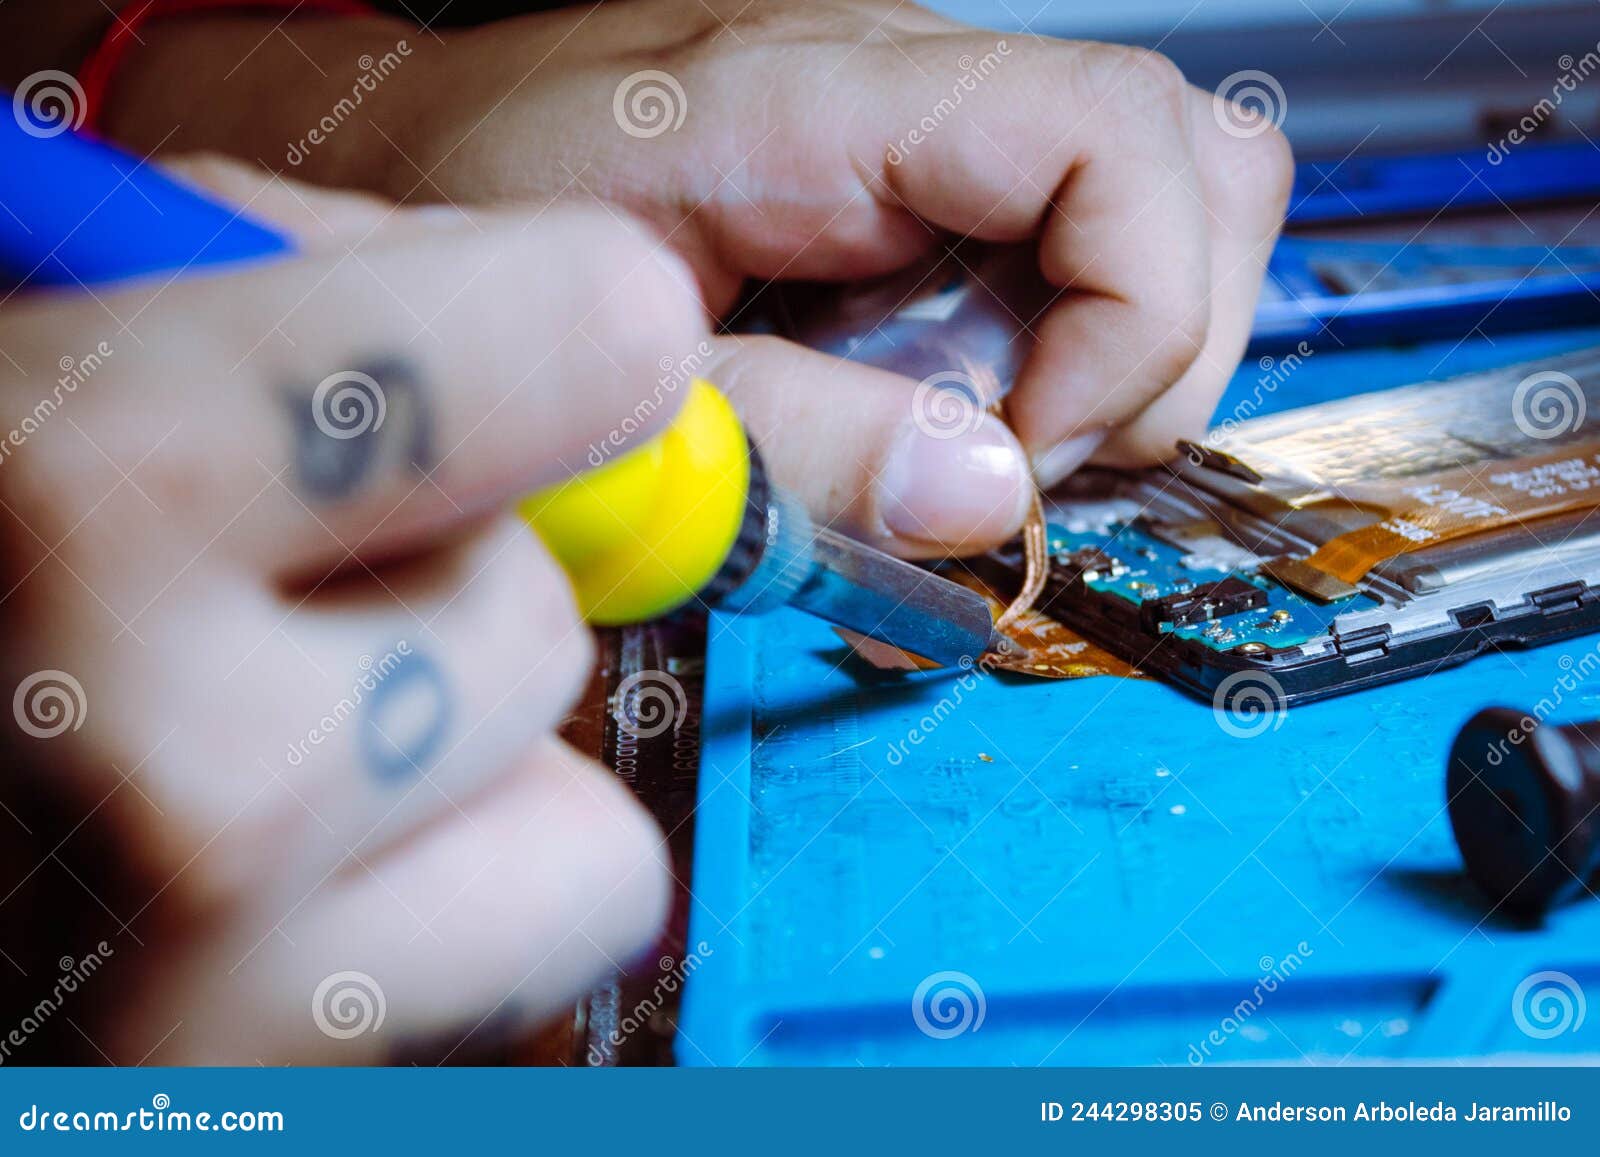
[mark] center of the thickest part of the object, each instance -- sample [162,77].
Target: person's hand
[830,141]
[286,673]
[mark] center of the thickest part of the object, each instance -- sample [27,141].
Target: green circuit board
[1141,568]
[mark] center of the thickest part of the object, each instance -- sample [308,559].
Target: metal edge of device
[1468,603]
[1357,662]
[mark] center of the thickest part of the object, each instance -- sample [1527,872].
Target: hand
[288,673]
[833,142]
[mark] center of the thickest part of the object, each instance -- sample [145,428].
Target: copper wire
[1035,552]
[1036,566]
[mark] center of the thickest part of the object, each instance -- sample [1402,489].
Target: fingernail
[1063,458]
[972,488]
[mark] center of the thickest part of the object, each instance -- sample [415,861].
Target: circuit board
[1141,569]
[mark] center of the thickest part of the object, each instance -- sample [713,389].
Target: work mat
[959,868]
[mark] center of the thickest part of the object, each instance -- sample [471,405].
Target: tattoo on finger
[407,719]
[358,424]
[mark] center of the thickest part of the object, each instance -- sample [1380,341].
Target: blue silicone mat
[1101,869]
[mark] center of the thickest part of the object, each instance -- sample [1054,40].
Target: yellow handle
[641,534]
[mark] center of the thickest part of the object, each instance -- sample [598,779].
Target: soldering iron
[689,517]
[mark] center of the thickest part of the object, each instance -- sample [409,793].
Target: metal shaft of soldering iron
[1524,801]
[836,578]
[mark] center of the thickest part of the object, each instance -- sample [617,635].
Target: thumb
[919,469]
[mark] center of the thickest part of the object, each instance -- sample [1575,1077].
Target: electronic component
[1340,545]
[1230,596]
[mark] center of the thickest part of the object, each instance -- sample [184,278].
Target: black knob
[1525,806]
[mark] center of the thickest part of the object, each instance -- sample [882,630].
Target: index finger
[358,403]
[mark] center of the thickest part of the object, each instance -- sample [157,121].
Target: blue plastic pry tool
[77,211]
